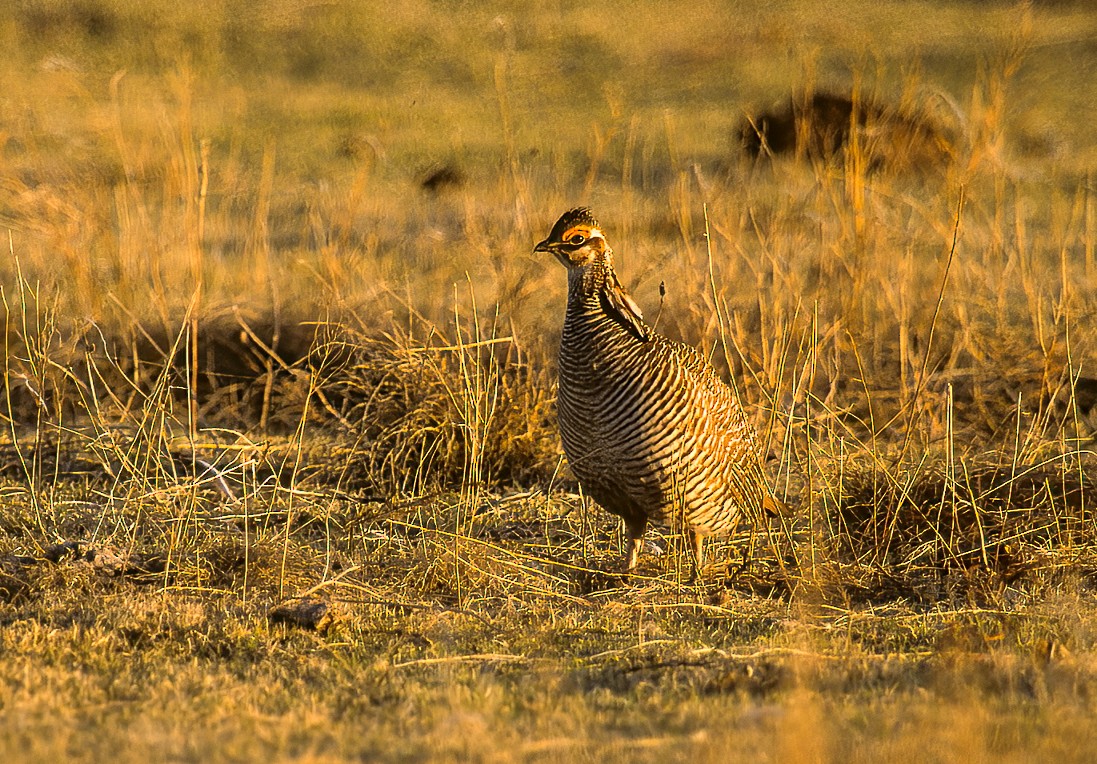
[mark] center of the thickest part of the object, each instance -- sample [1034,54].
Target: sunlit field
[280,475]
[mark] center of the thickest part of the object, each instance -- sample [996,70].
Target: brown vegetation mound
[827,126]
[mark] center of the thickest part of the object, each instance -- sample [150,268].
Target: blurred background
[232,174]
[312,130]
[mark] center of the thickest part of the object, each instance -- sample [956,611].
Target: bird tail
[774,507]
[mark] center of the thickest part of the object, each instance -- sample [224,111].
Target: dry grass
[256,351]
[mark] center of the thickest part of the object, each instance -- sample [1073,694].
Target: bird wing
[617,303]
[723,407]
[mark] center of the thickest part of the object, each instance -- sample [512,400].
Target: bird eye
[577,239]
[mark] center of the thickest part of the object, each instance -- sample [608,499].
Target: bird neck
[595,292]
[586,283]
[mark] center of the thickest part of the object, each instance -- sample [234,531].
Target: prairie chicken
[648,427]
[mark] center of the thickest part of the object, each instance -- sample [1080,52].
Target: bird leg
[635,543]
[697,542]
[632,554]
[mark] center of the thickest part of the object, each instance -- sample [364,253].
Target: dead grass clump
[441,178]
[250,374]
[1010,519]
[429,410]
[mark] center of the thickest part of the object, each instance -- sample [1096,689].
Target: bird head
[576,240]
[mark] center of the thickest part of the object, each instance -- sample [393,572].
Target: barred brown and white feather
[648,427]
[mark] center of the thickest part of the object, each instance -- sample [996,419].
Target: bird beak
[542,246]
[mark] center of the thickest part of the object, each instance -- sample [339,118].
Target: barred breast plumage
[648,427]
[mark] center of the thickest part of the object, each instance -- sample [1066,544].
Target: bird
[649,428]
